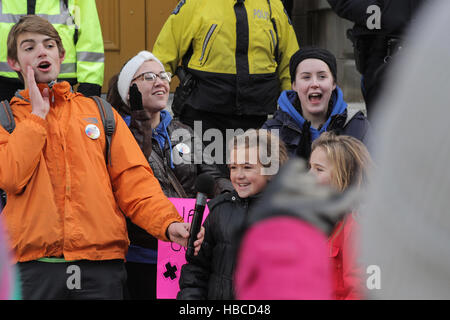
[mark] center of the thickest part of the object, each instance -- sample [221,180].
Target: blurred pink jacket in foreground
[5,267]
[283,258]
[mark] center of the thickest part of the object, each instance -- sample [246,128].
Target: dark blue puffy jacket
[341,120]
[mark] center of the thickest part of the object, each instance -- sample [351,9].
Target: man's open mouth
[44,66]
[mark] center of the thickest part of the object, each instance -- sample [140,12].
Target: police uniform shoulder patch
[178,7]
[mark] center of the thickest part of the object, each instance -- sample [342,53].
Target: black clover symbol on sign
[170,271]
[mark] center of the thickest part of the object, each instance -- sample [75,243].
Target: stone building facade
[316,24]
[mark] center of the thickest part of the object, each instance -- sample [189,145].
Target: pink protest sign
[171,256]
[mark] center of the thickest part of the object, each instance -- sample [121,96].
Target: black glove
[135,98]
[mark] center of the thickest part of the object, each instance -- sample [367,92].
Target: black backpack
[106,113]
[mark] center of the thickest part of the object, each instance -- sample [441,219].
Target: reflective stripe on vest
[68,69]
[65,67]
[63,18]
[87,56]
[4,67]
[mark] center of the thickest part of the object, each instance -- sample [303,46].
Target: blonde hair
[275,154]
[349,156]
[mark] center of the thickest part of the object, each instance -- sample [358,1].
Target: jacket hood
[286,103]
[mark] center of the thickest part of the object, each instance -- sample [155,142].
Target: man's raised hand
[40,103]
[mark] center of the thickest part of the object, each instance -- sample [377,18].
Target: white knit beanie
[129,70]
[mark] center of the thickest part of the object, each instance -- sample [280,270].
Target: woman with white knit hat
[143,87]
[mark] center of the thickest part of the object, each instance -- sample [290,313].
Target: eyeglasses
[151,76]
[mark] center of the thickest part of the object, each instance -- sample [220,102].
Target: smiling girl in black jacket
[255,157]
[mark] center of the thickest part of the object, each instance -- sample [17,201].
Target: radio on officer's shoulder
[183,91]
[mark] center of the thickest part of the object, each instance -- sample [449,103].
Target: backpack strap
[6,116]
[109,123]
[7,122]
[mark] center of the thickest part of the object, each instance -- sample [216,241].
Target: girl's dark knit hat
[312,53]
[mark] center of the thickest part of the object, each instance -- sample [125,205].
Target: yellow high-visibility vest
[79,28]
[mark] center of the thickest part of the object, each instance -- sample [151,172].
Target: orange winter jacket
[62,198]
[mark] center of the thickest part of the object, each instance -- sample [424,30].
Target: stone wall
[316,24]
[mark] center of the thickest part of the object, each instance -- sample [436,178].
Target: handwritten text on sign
[171,256]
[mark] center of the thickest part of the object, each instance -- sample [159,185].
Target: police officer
[236,54]
[78,25]
[377,34]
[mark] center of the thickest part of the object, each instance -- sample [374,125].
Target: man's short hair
[35,24]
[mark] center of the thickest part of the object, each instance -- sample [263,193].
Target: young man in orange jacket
[66,205]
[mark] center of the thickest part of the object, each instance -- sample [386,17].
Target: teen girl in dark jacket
[315,104]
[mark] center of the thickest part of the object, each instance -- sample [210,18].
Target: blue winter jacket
[289,121]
